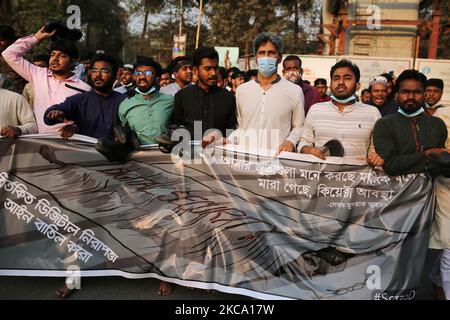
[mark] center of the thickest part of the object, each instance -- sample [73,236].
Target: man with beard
[213,107]
[51,86]
[406,139]
[293,72]
[365,96]
[147,113]
[391,94]
[433,95]
[342,119]
[92,113]
[378,87]
[126,83]
[182,71]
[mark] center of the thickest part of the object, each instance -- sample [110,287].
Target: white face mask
[293,76]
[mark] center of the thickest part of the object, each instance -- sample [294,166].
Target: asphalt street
[117,288]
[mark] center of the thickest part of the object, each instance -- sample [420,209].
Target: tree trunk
[296,24]
[144,28]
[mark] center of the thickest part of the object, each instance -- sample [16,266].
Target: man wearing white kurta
[270,110]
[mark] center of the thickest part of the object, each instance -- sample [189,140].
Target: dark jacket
[401,141]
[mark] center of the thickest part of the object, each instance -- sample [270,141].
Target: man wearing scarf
[406,139]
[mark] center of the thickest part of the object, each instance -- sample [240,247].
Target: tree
[444,35]
[236,23]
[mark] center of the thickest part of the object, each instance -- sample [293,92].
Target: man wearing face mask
[342,119]
[293,72]
[93,113]
[148,112]
[270,109]
[406,139]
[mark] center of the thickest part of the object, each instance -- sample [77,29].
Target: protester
[9,79]
[236,80]
[365,96]
[51,86]
[250,75]
[293,71]
[214,107]
[379,96]
[165,79]
[230,72]
[392,95]
[16,116]
[342,119]
[126,83]
[270,108]
[222,80]
[321,86]
[92,113]
[182,71]
[433,95]
[148,112]
[407,139]
[440,231]
[40,61]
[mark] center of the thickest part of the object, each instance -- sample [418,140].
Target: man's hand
[57,115]
[286,146]
[434,152]
[11,132]
[214,137]
[68,131]
[374,159]
[42,35]
[314,151]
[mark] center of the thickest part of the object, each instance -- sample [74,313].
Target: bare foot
[64,292]
[165,289]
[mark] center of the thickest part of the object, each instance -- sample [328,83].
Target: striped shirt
[353,127]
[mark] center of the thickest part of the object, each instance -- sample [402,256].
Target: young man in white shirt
[270,109]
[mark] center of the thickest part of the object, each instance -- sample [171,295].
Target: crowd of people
[398,123]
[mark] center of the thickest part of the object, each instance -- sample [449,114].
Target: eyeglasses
[147,73]
[102,71]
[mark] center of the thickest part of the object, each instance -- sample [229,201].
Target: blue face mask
[267,66]
[413,114]
[349,99]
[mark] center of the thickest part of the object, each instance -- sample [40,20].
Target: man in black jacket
[407,139]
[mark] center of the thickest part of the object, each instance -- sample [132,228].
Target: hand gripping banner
[268,228]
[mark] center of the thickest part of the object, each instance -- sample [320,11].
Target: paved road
[116,288]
